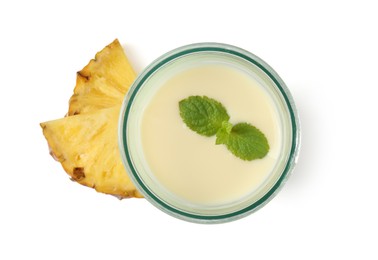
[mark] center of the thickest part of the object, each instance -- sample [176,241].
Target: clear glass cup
[142,91]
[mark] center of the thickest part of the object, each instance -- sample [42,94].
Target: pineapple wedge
[103,82]
[87,147]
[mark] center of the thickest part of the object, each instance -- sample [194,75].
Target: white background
[326,52]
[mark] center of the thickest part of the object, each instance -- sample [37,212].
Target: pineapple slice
[87,147]
[103,82]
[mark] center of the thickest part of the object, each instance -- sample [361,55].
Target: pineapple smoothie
[192,166]
[208,133]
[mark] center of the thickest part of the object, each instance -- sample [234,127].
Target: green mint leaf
[244,141]
[203,115]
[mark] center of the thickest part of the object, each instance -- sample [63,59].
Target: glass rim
[187,50]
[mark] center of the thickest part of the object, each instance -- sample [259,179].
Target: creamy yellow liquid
[191,166]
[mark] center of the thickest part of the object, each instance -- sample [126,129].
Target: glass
[148,83]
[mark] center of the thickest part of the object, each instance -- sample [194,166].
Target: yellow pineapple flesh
[87,147]
[85,142]
[103,82]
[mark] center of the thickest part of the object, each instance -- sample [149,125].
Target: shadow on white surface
[306,171]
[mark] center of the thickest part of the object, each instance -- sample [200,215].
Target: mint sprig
[209,117]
